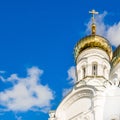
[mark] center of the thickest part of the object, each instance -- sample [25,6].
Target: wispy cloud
[2,72]
[71,78]
[66,91]
[18,117]
[71,74]
[27,93]
[111,32]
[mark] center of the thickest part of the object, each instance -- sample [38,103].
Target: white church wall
[112,106]
[78,107]
[77,103]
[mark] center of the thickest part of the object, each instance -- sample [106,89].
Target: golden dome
[92,41]
[116,56]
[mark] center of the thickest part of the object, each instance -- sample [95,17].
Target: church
[96,92]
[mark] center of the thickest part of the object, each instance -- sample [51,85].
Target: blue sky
[36,51]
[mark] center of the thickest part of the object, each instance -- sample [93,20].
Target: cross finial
[93,12]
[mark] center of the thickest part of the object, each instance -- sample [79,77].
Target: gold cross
[93,12]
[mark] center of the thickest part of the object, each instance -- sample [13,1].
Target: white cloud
[111,32]
[71,74]
[72,78]
[27,93]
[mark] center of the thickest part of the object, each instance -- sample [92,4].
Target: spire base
[93,28]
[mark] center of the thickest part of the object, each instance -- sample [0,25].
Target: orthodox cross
[93,12]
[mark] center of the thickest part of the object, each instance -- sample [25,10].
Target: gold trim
[115,61]
[116,56]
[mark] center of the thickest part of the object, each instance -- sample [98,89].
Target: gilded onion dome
[116,56]
[92,41]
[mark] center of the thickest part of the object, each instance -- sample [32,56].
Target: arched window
[94,69]
[83,71]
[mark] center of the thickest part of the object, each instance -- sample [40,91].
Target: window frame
[94,69]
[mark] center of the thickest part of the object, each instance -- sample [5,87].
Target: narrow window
[94,69]
[83,71]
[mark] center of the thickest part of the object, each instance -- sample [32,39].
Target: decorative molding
[77,96]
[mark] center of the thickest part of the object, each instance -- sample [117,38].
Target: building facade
[96,93]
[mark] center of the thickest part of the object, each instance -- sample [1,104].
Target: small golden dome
[116,56]
[92,41]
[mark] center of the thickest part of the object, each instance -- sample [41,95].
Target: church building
[96,92]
